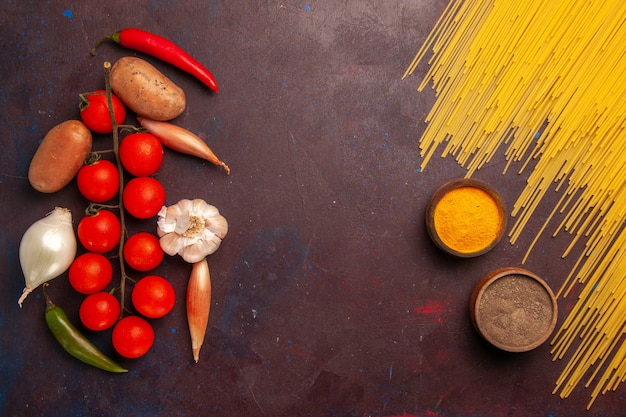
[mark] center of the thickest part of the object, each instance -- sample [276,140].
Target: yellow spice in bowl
[467,219]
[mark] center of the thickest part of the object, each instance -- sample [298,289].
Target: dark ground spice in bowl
[513,309]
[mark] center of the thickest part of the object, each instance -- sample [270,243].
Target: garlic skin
[198,305]
[47,249]
[193,229]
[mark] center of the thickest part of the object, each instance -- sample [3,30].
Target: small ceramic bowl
[456,213]
[513,309]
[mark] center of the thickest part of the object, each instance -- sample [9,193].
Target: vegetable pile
[191,228]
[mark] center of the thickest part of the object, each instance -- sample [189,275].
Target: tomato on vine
[143,252]
[94,111]
[143,197]
[141,154]
[153,296]
[90,273]
[100,232]
[99,311]
[132,337]
[98,181]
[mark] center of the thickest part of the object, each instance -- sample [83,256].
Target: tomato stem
[101,152]
[93,158]
[93,208]
[131,129]
[116,148]
[84,101]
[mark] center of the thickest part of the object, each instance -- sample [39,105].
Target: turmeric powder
[467,219]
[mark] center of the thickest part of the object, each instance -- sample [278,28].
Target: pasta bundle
[544,81]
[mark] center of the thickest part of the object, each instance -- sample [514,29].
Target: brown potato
[59,156]
[145,90]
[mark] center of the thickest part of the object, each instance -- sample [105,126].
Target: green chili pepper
[74,342]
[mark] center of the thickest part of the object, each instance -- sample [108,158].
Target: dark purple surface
[329,298]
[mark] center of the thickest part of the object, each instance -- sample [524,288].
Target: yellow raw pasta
[544,80]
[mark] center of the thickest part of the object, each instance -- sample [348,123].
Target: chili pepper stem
[115,37]
[49,304]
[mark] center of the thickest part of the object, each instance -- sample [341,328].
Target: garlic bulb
[47,249]
[191,228]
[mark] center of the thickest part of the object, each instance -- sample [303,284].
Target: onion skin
[198,304]
[47,249]
[181,140]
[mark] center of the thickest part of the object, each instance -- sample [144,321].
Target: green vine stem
[93,208]
[116,148]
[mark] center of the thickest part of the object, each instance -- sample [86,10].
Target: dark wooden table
[329,297]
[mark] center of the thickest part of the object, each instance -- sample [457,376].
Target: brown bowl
[513,309]
[459,234]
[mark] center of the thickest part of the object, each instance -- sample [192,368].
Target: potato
[145,90]
[59,156]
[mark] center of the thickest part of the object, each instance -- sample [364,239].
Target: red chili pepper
[163,49]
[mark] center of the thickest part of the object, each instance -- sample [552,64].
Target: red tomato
[132,337]
[141,154]
[98,182]
[143,197]
[99,233]
[90,273]
[143,252]
[94,111]
[153,296]
[99,311]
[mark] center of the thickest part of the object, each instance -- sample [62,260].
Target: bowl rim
[454,184]
[479,291]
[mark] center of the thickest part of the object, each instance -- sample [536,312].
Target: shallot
[198,304]
[181,140]
[47,249]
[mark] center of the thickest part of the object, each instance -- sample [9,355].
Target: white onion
[47,249]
